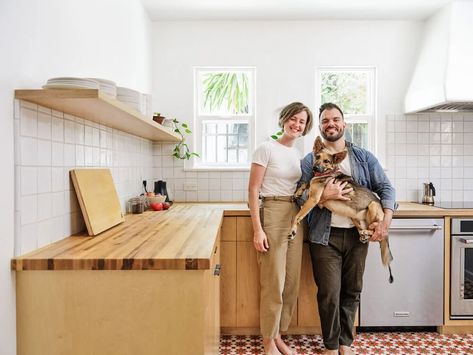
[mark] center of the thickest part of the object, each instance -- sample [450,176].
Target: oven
[461,295]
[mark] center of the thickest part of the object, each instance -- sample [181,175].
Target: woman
[275,172]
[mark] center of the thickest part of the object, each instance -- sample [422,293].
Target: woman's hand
[335,190]
[260,241]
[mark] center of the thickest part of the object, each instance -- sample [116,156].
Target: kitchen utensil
[98,199]
[429,193]
[160,188]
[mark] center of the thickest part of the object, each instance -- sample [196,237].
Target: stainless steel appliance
[415,298]
[461,293]
[429,193]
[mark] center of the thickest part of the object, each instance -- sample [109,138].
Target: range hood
[443,77]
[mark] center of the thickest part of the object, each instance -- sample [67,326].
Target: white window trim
[372,118]
[197,164]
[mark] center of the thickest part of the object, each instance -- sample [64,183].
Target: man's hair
[329,106]
[293,109]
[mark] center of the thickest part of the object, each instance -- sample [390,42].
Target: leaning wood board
[98,199]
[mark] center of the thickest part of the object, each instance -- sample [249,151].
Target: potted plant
[158,118]
[181,150]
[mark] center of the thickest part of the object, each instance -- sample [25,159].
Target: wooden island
[147,286]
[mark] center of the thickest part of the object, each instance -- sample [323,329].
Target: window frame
[372,95]
[249,118]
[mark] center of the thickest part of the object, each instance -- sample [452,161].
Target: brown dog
[364,207]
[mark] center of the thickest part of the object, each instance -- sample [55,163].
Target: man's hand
[335,190]
[380,231]
[381,228]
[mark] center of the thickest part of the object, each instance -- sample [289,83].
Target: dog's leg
[301,190]
[363,230]
[314,198]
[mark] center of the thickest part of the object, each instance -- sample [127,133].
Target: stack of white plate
[130,97]
[107,86]
[71,83]
[146,106]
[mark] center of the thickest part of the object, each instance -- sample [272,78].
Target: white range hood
[443,77]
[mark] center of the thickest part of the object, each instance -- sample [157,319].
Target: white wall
[47,38]
[286,55]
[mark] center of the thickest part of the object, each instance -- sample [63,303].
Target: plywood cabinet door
[228,284]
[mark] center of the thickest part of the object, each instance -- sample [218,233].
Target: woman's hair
[293,109]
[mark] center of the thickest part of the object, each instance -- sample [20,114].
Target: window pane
[211,149]
[232,156]
[243,156]
[221,149]
[357,133]
[349,90]
[225,92]
[222,128]
[228,143]
[211,128]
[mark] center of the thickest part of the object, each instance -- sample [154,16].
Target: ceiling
[161,10]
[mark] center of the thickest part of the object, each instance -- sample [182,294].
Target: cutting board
[98,199]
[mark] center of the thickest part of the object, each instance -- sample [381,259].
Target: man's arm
[387,194]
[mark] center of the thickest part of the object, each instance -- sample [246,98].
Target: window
[353,90]
[224,116]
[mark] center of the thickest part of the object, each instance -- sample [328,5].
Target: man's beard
[332,138]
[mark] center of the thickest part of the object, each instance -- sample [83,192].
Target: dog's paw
[292,234]
[365,235]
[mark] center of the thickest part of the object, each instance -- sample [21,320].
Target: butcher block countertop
[181,238]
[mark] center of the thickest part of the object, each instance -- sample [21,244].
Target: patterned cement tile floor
[365,343]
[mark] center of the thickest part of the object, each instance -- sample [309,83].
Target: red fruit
[166,205]
[156,206]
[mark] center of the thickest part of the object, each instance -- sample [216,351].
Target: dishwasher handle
[416,227]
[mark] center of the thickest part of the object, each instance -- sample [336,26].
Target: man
[338,256]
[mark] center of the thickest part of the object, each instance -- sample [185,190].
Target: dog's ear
[318,144]
[338,158]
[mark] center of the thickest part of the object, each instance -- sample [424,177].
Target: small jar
[137,205]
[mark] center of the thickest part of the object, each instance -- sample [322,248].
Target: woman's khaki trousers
[280,267]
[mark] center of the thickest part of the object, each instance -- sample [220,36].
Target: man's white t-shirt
[337,220]
[283,168]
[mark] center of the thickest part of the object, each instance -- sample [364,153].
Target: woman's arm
[260,240]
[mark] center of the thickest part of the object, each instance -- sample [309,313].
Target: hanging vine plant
[182,150]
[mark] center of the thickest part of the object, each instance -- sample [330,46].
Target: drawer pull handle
[217,270]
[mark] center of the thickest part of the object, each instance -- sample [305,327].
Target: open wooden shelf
[93,105]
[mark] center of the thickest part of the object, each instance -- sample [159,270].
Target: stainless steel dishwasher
[415,298]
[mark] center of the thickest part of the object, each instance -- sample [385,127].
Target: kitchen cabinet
[239,295]
[147,286]
[94,105]
[415,298]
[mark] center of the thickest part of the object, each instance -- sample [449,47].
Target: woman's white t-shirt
[283,168]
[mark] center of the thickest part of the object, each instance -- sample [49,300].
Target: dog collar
[329,173]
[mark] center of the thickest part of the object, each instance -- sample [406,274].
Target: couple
[338,257]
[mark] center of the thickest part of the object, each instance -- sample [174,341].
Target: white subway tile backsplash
[28,151]
[28,180]
[57,129]
[79,133]
[44,179]
[28,238]
[44,206]
[28,209]
[44,125]
[57,154]
[48,144]
[446,159]
[28,122]
[44,152]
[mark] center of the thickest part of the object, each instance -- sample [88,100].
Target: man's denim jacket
[366,171]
